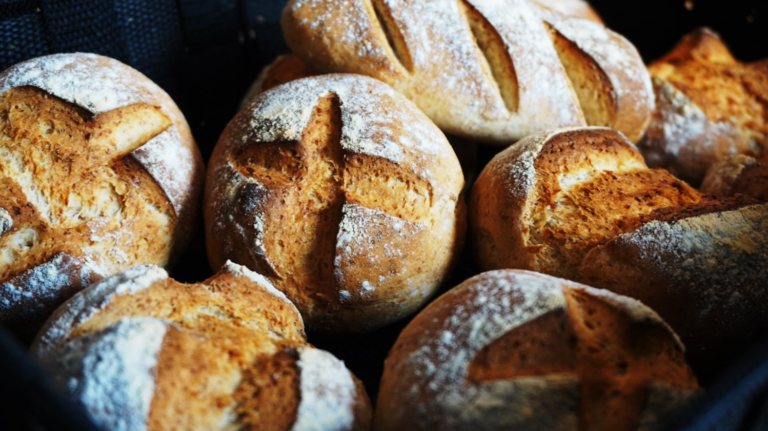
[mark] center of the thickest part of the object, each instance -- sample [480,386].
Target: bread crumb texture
[142,351]
[96,176]
[325,185]
[517,349]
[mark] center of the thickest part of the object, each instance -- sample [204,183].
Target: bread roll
[142,351]
[543,203]
[342,193]
[520,350]
[703,268]
[739,174]
[98,173]
[708,106]
[581,204]
[487,70]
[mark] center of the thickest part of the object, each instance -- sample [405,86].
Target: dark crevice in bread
[388,25]
[494,58]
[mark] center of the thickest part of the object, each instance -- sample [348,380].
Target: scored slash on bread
[582,204]
[98,173]
[708,106]
[494,71]
[341,192]
[142,351]
[522,350]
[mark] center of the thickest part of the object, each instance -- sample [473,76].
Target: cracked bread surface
[517,349]
[96,177]
[142,351]
[342,193]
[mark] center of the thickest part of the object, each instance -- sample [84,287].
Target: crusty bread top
[101,84]
[476,67]
[468,360]
[709,106]
[137,347]
[562,192]
[94,160]
[325,183]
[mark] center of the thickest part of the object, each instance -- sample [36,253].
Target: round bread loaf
[581,204]
[341,192]
[703,268]
[708,106]
[142,351]
[477,67]
[525,351]
[543,203]
[98,173]
[739,174]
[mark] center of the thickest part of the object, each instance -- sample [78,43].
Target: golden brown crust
[474,67]
[97,177]
[709,106]
[230,352]
[545,202]
[581,204]
[739,174]
[328,205]
[702,268]
[521,350]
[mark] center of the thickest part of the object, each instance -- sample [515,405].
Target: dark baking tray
[206,53]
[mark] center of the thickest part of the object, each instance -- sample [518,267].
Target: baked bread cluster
[344,203]
[521,350]
[142,351]
[98,173]
[343,194]
[582,204]
[708,106]
[476,67]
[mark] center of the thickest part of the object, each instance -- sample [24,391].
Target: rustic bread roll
[142,351]
[543,203]
[98,173]
[525,351]
[708,106]
[739,174]
[703,268]
[341,192]
[581,204]
[494,71]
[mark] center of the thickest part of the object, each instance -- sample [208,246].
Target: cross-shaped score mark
[70,188]
[614,358]
[336,223]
